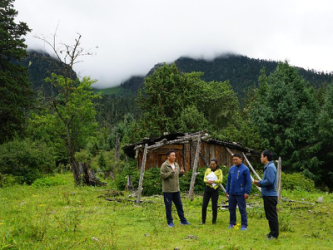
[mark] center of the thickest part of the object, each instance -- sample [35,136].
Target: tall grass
[68,217]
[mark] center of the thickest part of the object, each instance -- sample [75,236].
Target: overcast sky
[128,37]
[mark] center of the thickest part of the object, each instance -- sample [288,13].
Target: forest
[58,120]
[64,176]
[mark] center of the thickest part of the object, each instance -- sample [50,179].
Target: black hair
[215,160]
[170,151]
[269,154]
[239,155]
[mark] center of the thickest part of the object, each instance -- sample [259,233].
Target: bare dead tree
[68,55]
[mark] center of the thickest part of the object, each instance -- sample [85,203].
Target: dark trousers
[241,202]
[270,203]
[175,198]
[210,193]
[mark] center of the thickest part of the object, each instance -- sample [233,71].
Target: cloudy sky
[128,37]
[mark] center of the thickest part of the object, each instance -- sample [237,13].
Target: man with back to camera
[268,191]
[238,190]
[170,172]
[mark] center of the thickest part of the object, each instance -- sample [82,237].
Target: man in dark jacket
[170,172]
[268,191]
[238,190]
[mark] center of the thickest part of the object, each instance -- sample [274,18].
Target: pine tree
[285,111]
[15,89]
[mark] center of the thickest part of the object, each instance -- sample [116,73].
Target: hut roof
[129,150]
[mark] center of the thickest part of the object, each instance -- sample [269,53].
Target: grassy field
[67,217]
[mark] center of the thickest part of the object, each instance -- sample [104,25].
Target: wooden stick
[194,169]
[142,172]
[302,202]
[223,188]
[248,162]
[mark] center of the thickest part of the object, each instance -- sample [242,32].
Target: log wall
[185,154]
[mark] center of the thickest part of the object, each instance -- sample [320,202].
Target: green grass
[68,217]
[111,91]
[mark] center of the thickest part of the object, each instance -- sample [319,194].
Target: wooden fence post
[142,172]
[279,179]
[194,169]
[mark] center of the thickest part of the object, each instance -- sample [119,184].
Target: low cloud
[129,37]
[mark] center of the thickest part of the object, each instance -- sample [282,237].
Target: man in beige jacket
[170,172]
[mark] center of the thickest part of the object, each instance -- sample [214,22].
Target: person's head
[171,156]
[237,159]
[213,164]
[266,156]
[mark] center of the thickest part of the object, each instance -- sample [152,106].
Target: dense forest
[52,121]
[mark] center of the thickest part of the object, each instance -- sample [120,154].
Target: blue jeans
[175,198]
[241,202]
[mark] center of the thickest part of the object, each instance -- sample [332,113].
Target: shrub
[7,180]
[25,159]
[185,181]
[129,169]
[152,183]
[48,182]
[297,181]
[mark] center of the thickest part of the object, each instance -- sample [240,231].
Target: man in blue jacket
[268,190]
[238,190]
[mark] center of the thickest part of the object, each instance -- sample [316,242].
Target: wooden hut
[185,145]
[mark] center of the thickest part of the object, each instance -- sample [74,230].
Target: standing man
[238,190]
[268,190]
[170,186]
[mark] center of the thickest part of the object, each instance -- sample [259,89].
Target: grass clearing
[68,217]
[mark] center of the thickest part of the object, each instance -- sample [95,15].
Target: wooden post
[279,179]
[225,191]
[251,166]
[248,162]
[142,172]
[194,169]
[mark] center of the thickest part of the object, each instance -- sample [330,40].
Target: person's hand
[175,170]
[227,195]
[182,170]
[246,196]
[210,182]
[255,182]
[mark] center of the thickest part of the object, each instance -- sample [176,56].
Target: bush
[48,182]
[185,181]
[297,181]
[129,169]
[7,180]
[25,159]
[152,183]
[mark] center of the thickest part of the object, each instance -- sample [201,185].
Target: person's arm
[220,178]
[248,182]
[166,172]
[205,176]
[269,177]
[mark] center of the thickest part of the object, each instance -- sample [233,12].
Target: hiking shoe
[202,223]
[185,223]
[171,224]
[271,237]
[243,228]
[231,226]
